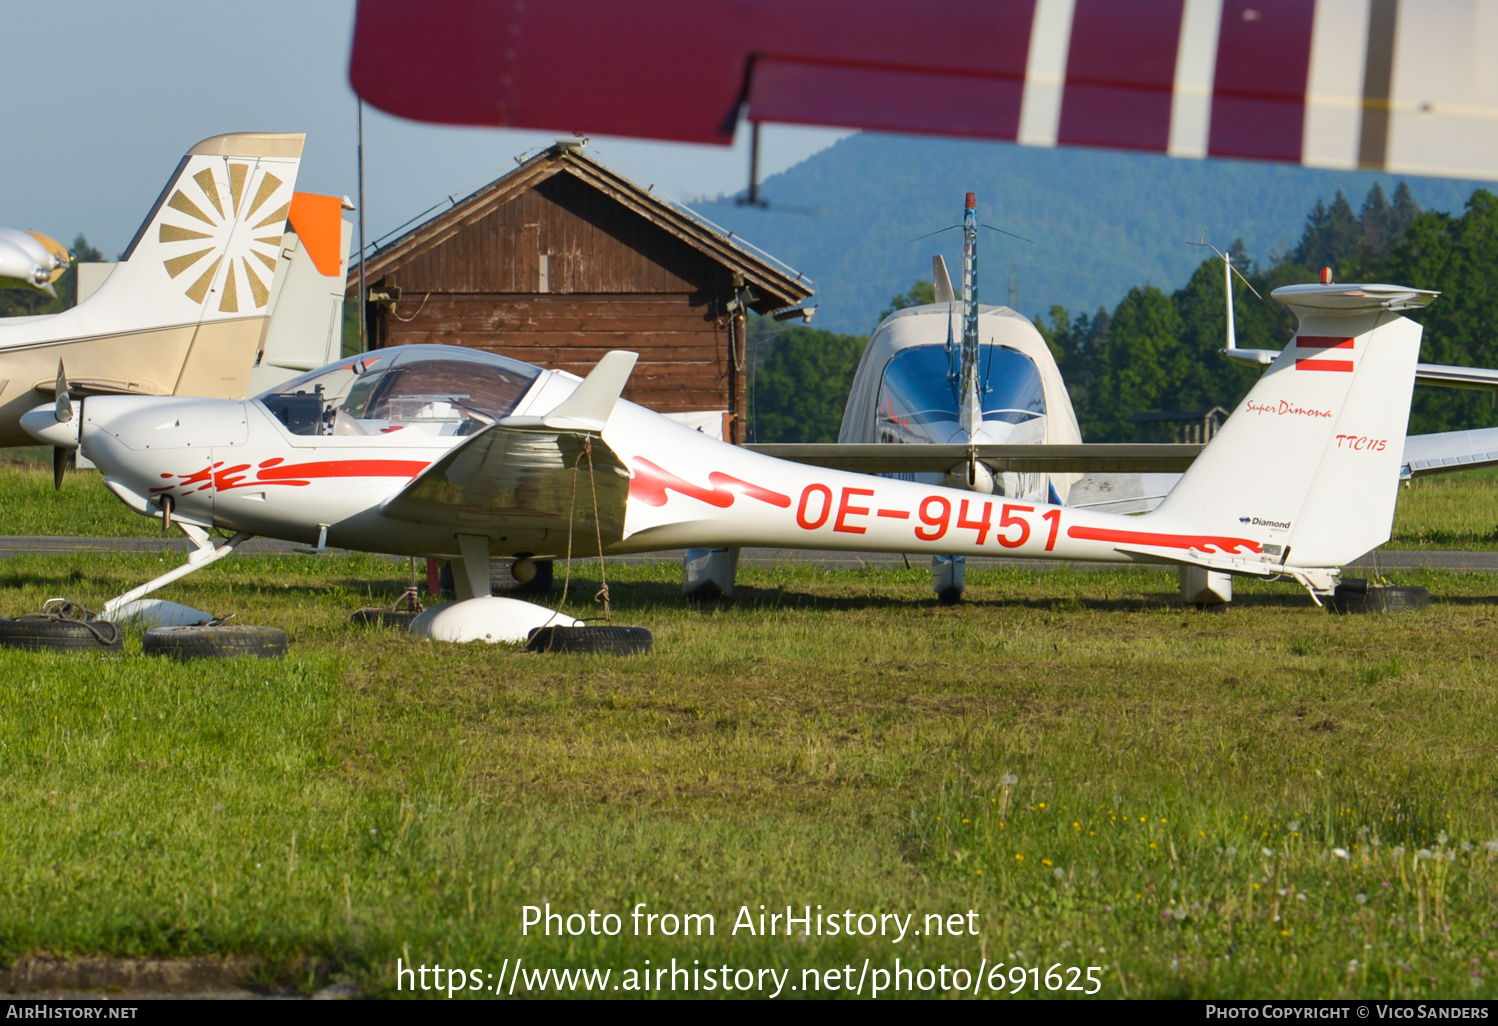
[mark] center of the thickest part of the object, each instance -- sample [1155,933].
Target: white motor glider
[442,451]
[214,295]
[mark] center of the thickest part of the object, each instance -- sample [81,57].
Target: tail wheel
[221,641]
[61,635]
[374,617]
[598,640]
[1357,595]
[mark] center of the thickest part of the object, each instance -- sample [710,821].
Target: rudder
[1308,464]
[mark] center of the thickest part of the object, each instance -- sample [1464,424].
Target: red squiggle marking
[294,475]
[651,483]
[1199,542]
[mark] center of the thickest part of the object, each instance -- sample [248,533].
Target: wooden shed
[564,259]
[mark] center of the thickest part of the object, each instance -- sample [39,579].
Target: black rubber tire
[1357,595]
[599,640]
[398,618]
[61,635]
[224,641]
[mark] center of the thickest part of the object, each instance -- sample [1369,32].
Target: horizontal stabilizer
[1449,451]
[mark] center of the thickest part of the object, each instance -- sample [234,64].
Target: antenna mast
[971,415]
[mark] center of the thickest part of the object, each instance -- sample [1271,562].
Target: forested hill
[1102,222]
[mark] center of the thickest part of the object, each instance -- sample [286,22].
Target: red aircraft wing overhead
[1329,83]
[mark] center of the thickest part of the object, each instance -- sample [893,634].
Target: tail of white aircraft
[188,309]
[1309,461]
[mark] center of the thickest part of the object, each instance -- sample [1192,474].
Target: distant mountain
[1101,221]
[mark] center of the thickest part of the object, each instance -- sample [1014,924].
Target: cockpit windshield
[437,390]
[918,399]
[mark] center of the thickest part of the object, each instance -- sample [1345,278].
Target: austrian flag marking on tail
[1323,342]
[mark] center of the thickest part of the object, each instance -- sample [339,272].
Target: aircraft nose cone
[43,425]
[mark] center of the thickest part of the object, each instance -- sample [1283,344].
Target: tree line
[1157,352]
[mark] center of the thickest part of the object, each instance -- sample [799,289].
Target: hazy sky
[105,97]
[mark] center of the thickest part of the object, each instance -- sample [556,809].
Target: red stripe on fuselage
[651,483]
[1207,543]
[224,479]
[304,472]
[1322,342]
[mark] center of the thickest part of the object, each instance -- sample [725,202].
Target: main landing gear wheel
[215,641]
[373,617]
[599,640]
[1359,595]
[46,632]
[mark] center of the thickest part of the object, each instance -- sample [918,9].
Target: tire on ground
[400,618]
[1358,595]
[61,635]
[601,640]
[223,641]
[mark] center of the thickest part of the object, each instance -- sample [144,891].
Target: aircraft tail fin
[306,304]
[1308,464]
[209,246]
[941,280]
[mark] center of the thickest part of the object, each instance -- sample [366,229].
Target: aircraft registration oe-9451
[441,451]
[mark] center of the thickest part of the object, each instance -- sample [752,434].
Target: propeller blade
[64,408]
[59,464]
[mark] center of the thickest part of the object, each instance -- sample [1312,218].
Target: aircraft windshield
[916,392]
[440,390]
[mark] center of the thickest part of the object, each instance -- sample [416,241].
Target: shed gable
[561,236]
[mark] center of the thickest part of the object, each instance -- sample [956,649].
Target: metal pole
[752,199]
[363,288]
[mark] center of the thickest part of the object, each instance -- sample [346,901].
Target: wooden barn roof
[776,286]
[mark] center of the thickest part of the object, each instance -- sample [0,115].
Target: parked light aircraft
[439,451]
[909,390]
[970,392]
[214,296]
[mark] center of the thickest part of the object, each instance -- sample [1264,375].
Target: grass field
[1273,801]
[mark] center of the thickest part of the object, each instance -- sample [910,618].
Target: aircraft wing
[1449,451]
[877,458]
[533,476]
[1404,88]
[1455,377]
[521,480]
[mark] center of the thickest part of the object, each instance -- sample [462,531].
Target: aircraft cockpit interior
[434,390]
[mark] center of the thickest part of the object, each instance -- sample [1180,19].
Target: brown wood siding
[681,339]
[592,242]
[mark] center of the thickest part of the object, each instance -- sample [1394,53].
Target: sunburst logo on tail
[200,226]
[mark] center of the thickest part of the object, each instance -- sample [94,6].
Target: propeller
[63,411]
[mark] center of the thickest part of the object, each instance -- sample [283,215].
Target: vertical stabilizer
[941,281]
[1308,464]
[306,323]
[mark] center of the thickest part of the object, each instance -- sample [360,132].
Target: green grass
[1096,771]
[1449,511]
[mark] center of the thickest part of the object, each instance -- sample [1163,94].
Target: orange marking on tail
[318,222]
